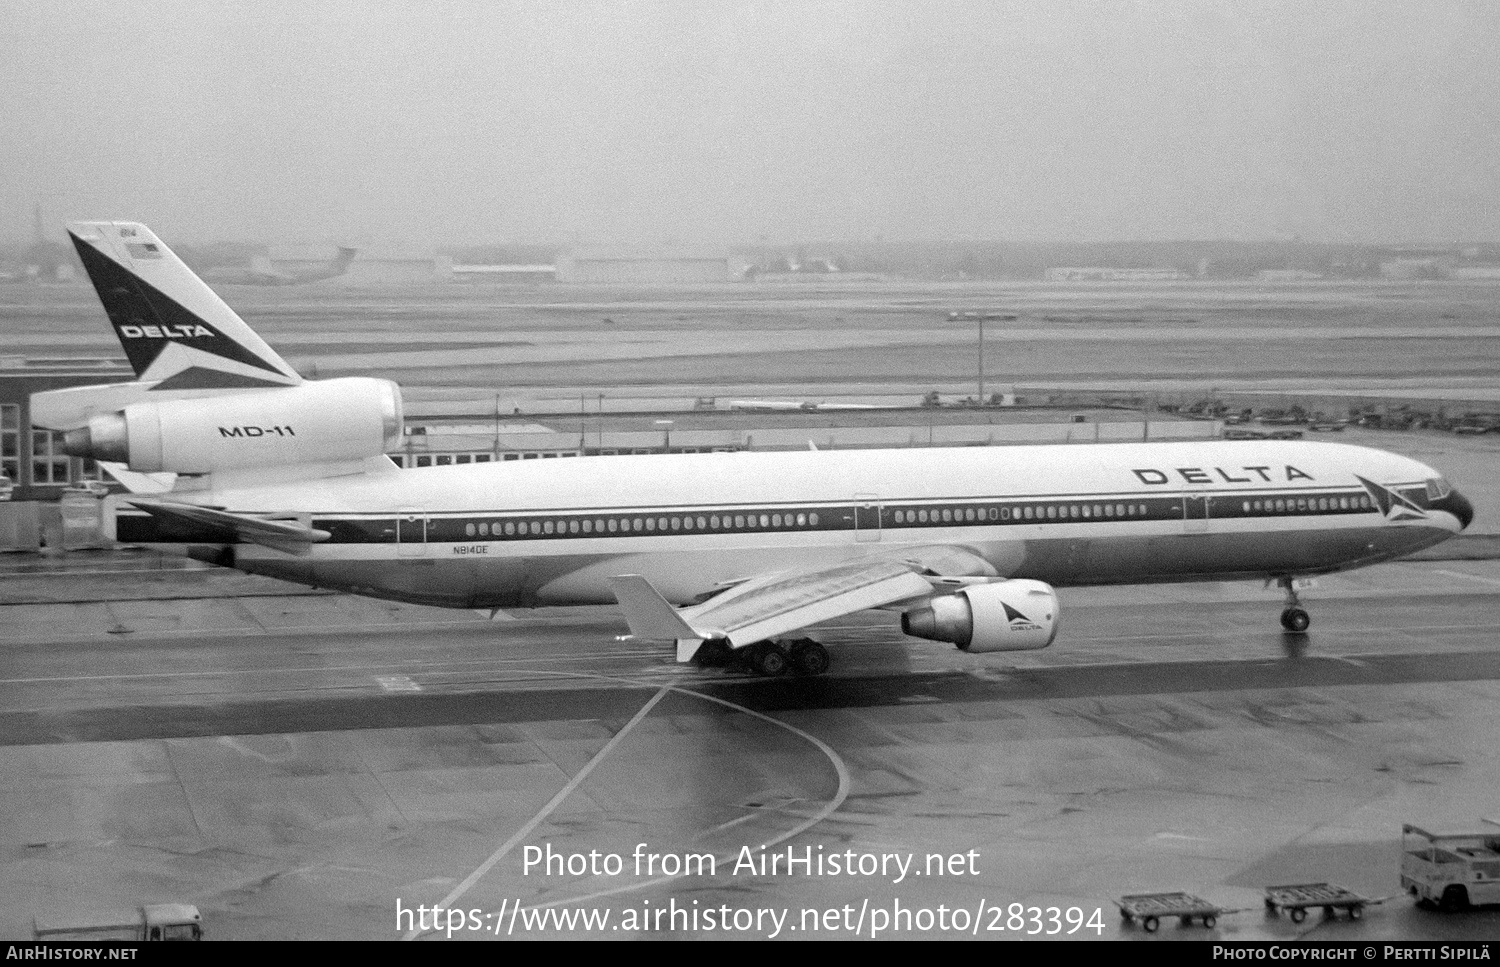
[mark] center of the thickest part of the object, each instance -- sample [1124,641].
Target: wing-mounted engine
[1017,615]
[328,420]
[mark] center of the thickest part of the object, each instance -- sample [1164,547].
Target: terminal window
[49,465]
[10,441]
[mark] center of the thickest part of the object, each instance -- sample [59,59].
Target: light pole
[666,435]
[981,361]
[980,317]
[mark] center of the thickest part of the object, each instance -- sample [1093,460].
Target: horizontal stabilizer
[139,483]
[648,614]
[281,535]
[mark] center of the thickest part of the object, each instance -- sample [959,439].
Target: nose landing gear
[1294,618]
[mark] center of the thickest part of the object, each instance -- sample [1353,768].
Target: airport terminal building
[32,458]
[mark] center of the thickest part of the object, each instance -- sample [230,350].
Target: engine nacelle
[1018,615]
[330,420]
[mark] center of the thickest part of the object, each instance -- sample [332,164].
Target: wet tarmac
[312,765]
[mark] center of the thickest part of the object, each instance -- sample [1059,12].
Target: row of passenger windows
[640,525]
[452,459]
[969,515]
[1306,505]
[925,515]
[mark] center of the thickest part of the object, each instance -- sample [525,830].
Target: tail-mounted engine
[1019,615]
[314,422]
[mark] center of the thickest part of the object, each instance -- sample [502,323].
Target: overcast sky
[741,121]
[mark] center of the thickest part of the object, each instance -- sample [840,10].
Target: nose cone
[1458,505]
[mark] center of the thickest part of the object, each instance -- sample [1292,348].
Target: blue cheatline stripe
[896,515]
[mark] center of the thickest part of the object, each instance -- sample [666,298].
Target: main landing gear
[1294,618]
[772,658]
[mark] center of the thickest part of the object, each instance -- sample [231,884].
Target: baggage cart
[1150,908]
[1297,898]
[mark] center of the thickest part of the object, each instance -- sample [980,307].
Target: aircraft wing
[209,524]
[773,605]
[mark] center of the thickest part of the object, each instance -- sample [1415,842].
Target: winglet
[647,612]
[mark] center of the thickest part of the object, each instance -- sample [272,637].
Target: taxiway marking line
[839,766]
[557,800]
[1471,577]
[837,800]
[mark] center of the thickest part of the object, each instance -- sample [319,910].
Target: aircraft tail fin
[175,330]
[335,268]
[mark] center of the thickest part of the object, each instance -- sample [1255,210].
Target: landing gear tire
[714,653]
[1298,914]
[810,658]
[1295,620]
[769,660]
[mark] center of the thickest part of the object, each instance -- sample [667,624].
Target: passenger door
[866,518]
[1196,510]
[411,532]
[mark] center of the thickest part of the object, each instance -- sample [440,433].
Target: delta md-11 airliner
[722,554]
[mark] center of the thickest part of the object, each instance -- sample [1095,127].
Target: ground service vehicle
[1452,870]
[154,921]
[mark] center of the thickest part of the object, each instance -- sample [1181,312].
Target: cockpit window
[1438,488]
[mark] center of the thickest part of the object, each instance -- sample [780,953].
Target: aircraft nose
[1459,506]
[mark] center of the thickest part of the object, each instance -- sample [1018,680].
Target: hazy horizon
[757,123]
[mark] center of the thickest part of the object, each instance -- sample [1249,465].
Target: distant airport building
[43,260]
[1112,274]
[589,266]
[503,274]
[1417,262]
[1287,275]
[1414,268]
[1488,272]
[372,265]
[435,444]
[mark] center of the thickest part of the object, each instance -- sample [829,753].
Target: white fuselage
[551,532]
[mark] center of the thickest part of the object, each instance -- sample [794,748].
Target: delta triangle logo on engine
[1018,621]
